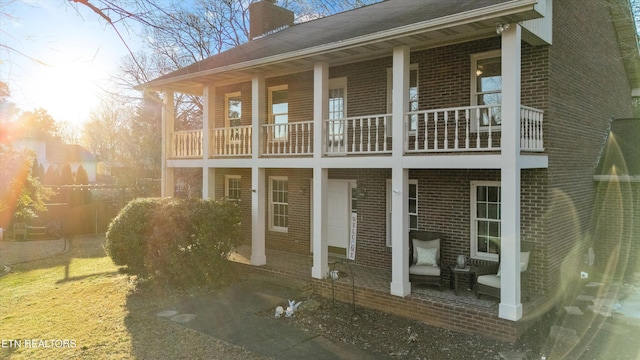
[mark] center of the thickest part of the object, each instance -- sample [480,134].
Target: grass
[77,305]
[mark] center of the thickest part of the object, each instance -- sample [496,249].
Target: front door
[339,210]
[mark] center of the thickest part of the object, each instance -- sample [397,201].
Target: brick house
[501,105]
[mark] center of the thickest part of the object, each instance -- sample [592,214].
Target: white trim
[473,220]
[271,203]
[473,101]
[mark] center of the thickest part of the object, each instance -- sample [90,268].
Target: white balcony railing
[232,141]
[288,139]
[469,128]
[531,136]
[358,135]
[186,144]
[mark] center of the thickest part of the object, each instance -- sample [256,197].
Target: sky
[78,48]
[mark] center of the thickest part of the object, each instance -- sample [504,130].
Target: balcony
[451,130]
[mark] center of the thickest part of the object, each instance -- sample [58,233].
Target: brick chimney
[265,16]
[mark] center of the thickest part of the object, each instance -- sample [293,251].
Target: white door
[338,203]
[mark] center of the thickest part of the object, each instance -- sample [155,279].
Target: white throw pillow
[425,244]
[427,257]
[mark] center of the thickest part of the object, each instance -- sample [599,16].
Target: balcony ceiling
[365,33]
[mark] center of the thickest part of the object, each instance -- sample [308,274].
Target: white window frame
[234,135]
[475,253]
[474,87]
[412,67]
[389,192]
[271,119]
[272,203]
[337,129]
[227,186]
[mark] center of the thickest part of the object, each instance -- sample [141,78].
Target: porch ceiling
[471,25]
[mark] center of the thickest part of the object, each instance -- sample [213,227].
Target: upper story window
[337,109]
[486,87]
[413,94]
[233,109]
[279,111]
[485,219]
[233,114]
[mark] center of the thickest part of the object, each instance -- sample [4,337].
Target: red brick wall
[587,87]
[245,196]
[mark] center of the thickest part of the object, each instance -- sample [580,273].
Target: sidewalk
[233,315]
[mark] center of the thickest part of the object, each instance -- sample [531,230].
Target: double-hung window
[279,111]
[485,219]
[232,187]
[279,203]
[486,89]
[337,109]
[233,114]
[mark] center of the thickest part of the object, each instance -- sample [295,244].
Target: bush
[182,242]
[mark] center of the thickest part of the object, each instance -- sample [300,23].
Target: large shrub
[183,242]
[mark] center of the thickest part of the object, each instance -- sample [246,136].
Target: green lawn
[77,305]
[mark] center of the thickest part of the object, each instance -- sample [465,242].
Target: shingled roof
[378,22]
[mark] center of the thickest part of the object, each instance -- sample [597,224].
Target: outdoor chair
[20,229]
[425,258]
[488,278]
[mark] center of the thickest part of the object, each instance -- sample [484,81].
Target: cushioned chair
[425,258]
[488,278]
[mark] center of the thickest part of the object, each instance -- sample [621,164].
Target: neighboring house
[616,235]
[481,120]
[57,154]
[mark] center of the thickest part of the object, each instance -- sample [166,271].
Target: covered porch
[369,287]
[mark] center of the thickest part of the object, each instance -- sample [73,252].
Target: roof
[65,153]
[620,157]
[387,21]
[624,23]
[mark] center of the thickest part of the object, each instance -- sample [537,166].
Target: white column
[258,190]
[400,285]
[319,221]
[510,306]
[168,121]
[258,193]
[209,183]
[208,119]
[320,224]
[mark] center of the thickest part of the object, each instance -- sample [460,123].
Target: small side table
[454,272]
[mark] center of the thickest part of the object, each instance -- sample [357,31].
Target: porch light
[359,192]
[500,28]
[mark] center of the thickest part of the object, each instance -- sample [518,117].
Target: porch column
[168,121]
[510,306]
[400,285]
[208,120]
[320,267]
[208,183]
[258,254]
[258,191]
[320,175]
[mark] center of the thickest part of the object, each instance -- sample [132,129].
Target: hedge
[183,242]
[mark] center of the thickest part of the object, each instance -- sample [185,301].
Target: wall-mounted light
[359,191]
[500,28]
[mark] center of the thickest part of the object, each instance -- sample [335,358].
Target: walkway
[15,252]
